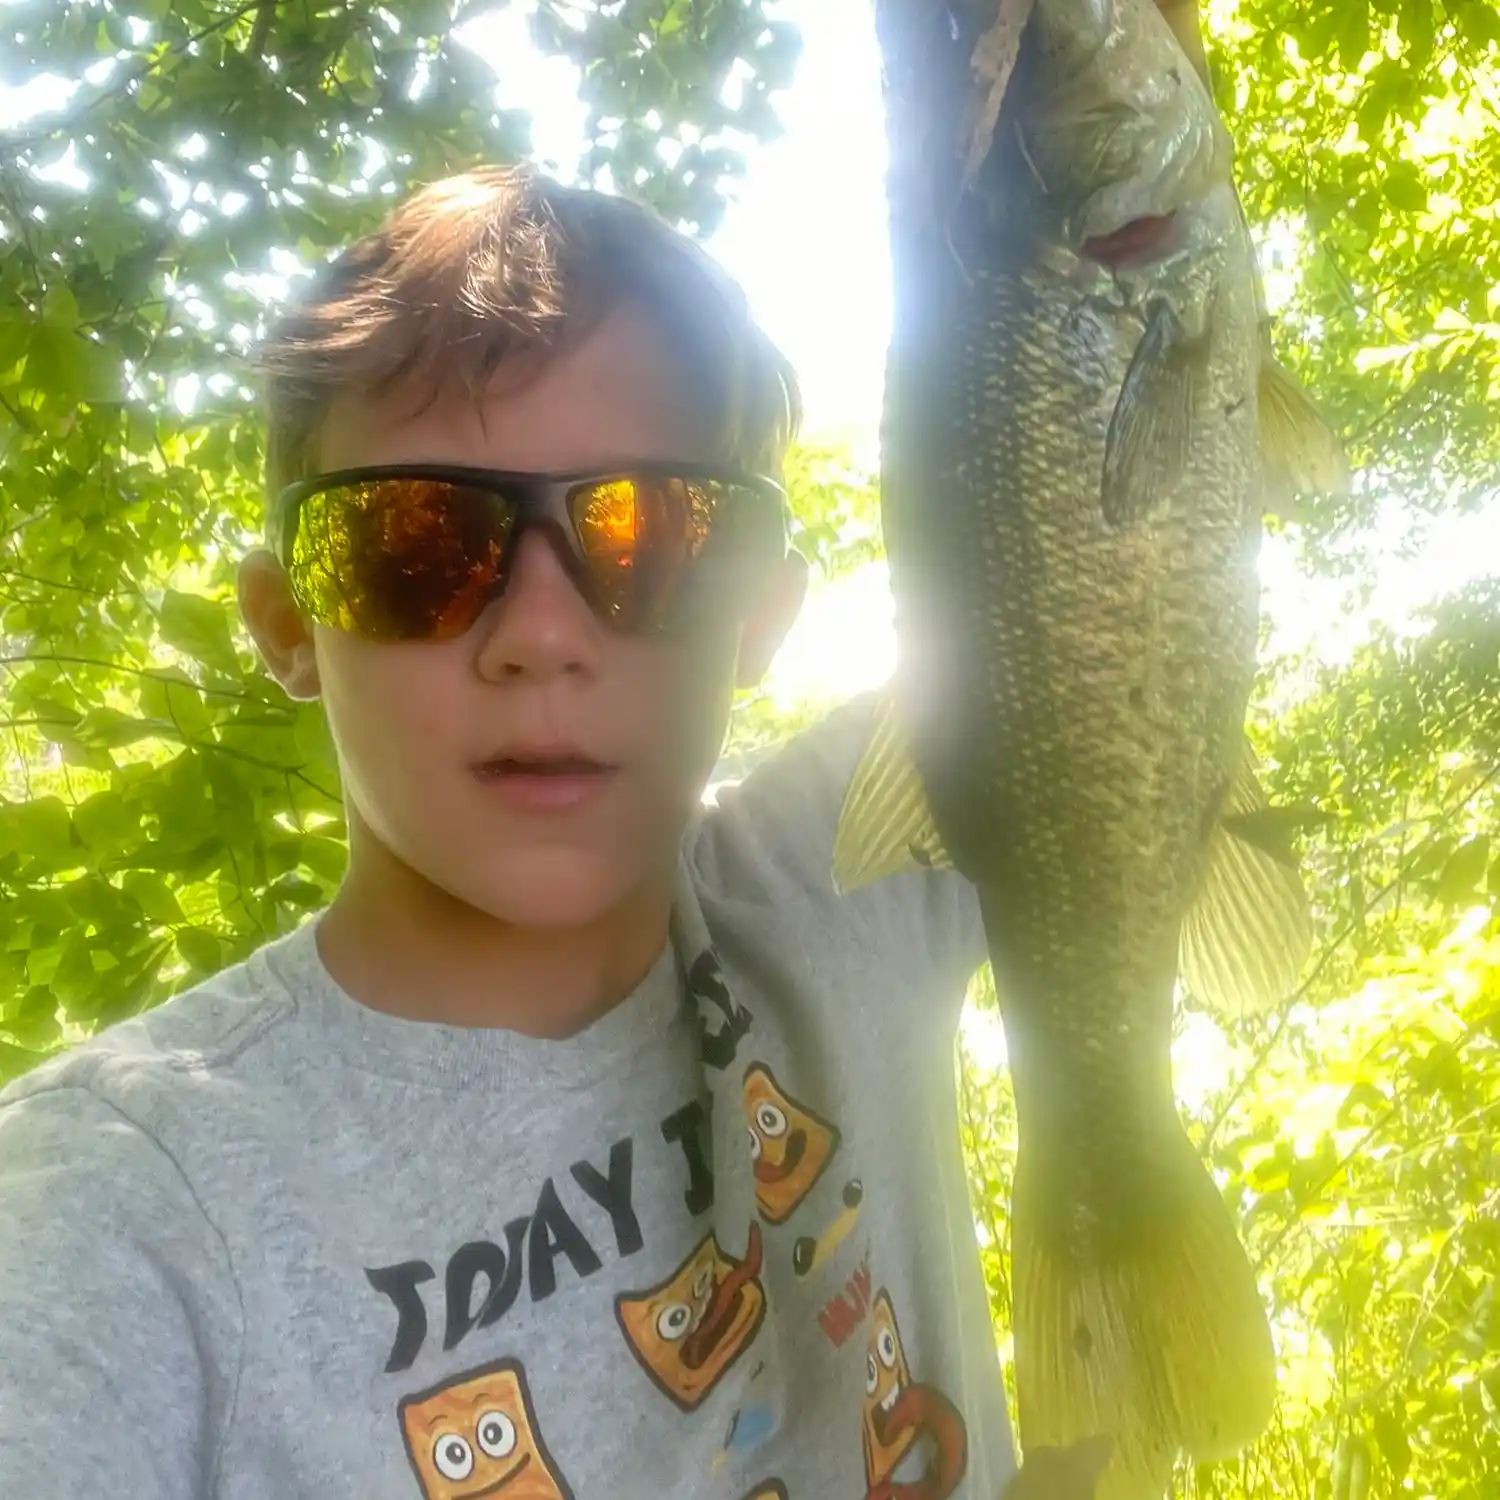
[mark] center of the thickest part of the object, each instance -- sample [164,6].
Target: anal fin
[1247,935]
[886,825]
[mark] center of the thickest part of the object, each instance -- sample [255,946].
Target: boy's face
[539,676]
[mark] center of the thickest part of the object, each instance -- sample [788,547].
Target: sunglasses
[415,552]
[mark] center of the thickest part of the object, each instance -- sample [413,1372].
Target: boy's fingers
[1070,1473]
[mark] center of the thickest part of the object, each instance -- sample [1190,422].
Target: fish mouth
[779,1171]
[1143,239]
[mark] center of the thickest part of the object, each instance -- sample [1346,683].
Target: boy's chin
[557,890]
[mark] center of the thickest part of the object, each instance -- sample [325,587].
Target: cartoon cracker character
[687,1331]
[477,1435]
[789,1145]
[899,1412]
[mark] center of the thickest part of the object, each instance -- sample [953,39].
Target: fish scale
[1076,451]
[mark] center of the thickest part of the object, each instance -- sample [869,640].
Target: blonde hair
[502,266]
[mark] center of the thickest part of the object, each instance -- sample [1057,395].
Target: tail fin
[1156,1336]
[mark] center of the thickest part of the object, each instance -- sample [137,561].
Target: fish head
[1116,134]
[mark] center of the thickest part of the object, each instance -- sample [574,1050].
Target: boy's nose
[541,627]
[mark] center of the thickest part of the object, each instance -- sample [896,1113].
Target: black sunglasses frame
[538,501]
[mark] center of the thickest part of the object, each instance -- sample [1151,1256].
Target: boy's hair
[502,266]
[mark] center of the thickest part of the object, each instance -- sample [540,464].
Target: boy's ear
[772,617]
[282,634]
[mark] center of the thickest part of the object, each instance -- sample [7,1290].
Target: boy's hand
[1061,1473]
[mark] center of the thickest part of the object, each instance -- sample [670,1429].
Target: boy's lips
[544,780]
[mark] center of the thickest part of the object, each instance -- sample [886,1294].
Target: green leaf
[326,857]
[1478,22]
[1406,193]
[300,894]
[60,308]
[154,896]
[126,989]
[1463,872]
[40,829]
[32,1021]
[73,979]
[199,628]
[106,822]
[1353,33]
[1390,1436]
[201,949]
[1415,28]
[107,728]
[14,1061]
[171,696]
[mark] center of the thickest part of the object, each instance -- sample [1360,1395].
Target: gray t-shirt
[267,1244]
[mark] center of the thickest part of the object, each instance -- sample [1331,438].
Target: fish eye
[496,1433]
[673,1320]
[771,1120]
[885,1346]
[452,1456]
[754,1143]
[872,1374]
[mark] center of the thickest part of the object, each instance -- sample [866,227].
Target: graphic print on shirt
[477,1434]
[752,1423]
[810,1252]
[900,1414]
[689,1329]
[789,1144]
[722,1020]
[767,1489]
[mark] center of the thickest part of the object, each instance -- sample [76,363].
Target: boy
[586,1145]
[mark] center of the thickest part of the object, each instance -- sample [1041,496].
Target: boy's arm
[117,1307]
[773,835]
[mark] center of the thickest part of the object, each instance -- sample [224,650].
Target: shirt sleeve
[771,839]
[119,1330]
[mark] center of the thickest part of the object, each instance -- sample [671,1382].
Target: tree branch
[151,674]
[261,34]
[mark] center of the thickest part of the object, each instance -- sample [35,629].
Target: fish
[1077,450]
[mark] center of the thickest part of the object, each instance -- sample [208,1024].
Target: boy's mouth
[544,780]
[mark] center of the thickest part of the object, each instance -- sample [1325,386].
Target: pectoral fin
[1299,451]
[1151,428]
[1247,936]
[886,825]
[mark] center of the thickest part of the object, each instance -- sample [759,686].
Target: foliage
[1363,1154]
[1367,132]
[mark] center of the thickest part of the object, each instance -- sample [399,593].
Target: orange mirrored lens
[398,559]
[638,535]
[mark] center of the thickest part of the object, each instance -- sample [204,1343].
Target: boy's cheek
[700,696]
